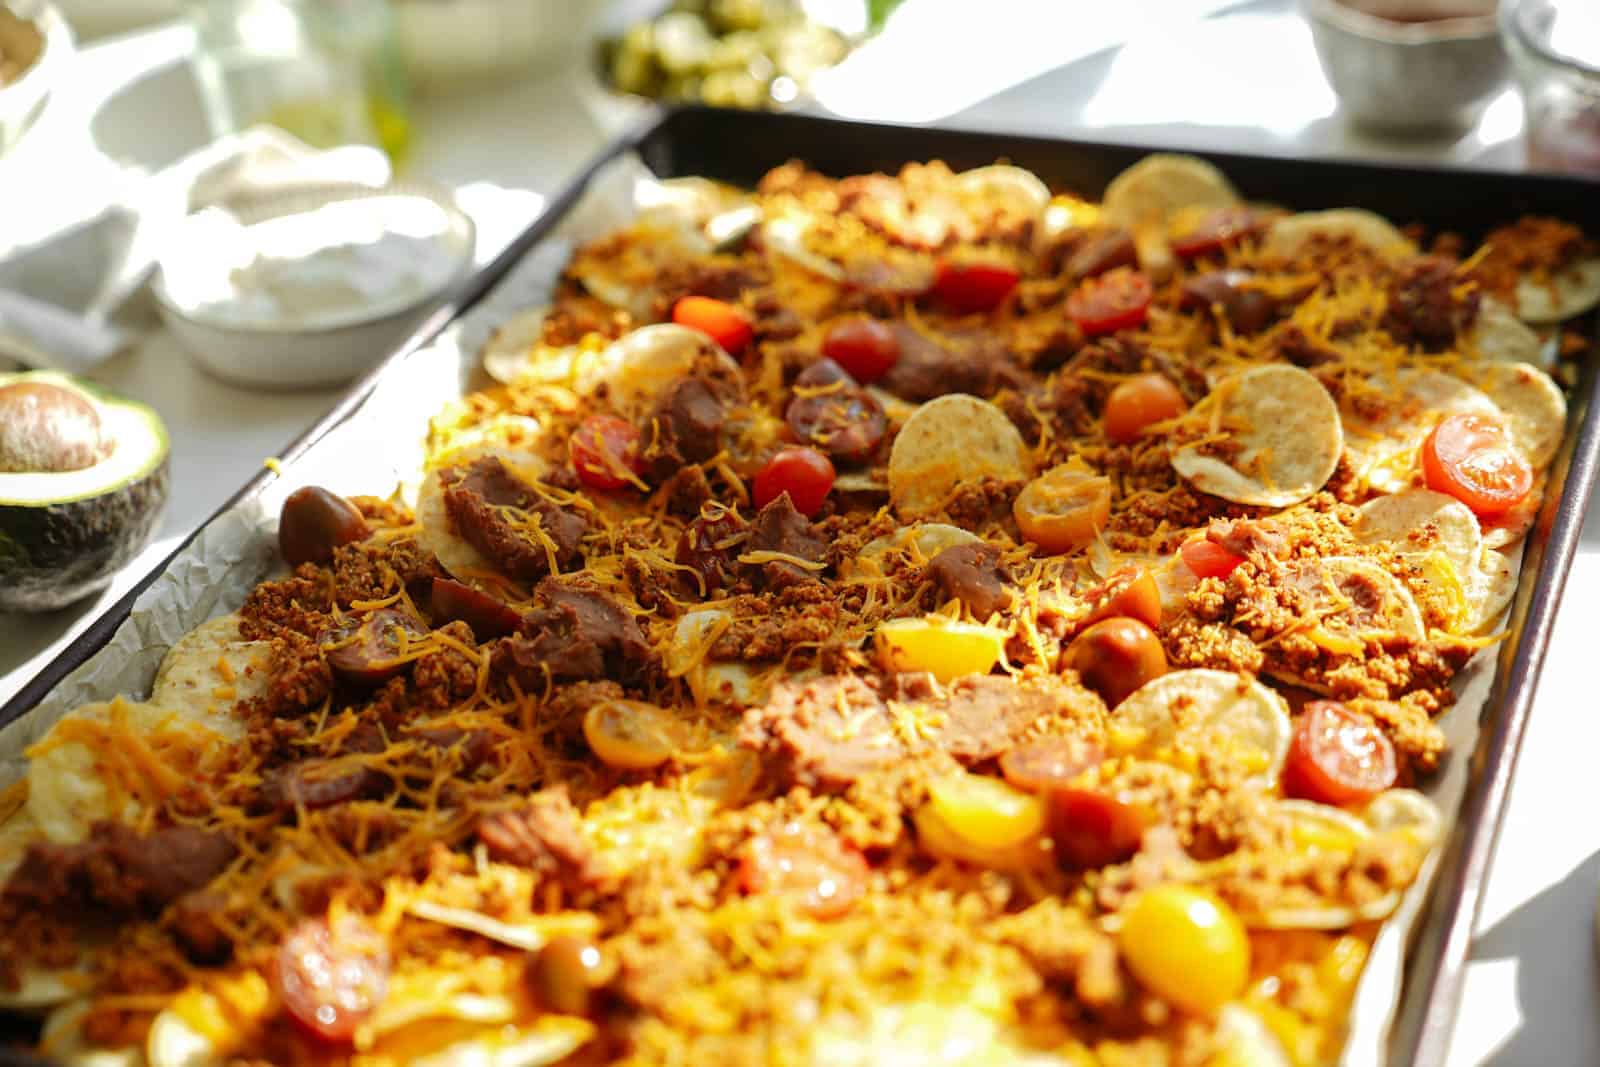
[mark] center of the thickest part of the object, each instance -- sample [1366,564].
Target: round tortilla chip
[1569,293]
[1148,192]
[1382,451]
[1363,227]
[1354,597]
[1004,189]
[516,351]
[1421,521]
[637,368]
[622,271]
[210,670]
[951,441]
[1533,405]
[67,786]
[1507,528]
[1229,716]
[1404,811]
[439,535]
[1286,435]
[1498,335]
[785,236]
[1312,829]
[1491,584]
[63,1034]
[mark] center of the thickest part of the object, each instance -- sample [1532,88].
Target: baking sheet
[380,447]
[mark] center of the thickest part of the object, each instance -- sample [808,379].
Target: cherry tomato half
[1472,458]
[1207,559]
[332,980]
[866,348]
[605,452]
[1091,828]
[1214,231]
[1139,402]
[721,321]
[1338,756]
[823,875]
[968,287]
[1117,300]
[804,473]
[1131,594]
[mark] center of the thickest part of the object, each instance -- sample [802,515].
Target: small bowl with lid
[311,286]
[1409,64]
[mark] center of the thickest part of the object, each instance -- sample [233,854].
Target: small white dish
[313,286]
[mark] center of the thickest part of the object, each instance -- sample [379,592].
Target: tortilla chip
[635,369]
[1230,716]
[1569,293]
[1499,335]
[1533,406]
[948,442]
[1151,190]
[1362,227]
[1284,432]
[1382,451]
[211,669]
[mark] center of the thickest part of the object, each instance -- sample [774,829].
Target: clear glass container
[327,71]
[1555,47]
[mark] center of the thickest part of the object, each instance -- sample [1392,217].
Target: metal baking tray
[738,147]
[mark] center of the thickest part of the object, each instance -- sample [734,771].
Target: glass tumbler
[1555,47]
[326,71]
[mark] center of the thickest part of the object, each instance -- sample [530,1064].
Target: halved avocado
[83,479]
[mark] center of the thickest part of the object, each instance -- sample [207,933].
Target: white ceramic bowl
[23,100]
[458,43]
[327,350]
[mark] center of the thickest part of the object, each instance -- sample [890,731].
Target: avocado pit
[47,428]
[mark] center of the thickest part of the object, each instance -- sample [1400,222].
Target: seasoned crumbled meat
[1429,306]
[120,870]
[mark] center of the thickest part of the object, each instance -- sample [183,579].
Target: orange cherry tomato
[331,980]
[1215,231]
[1207,559]
[968,287]
[721,321]
[605,452]
[1063,509]
[1338,756]
[1048,762]
[866,348]
[1131,594]
[1472,458]
[1116,656]
[823,875]
[1091,828]
[1117,300]
[1140,402]
[804,473]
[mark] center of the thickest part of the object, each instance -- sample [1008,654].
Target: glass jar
[1555,46]
[326,71]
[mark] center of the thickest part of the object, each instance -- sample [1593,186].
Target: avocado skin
[54,554]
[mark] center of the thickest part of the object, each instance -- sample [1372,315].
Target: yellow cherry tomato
[632,735]
[986,812]
[1063,509]
[946,648]
[1186,946]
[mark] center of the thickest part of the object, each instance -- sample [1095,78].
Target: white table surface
[1531,989]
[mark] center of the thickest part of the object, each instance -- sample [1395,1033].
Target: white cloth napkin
[67,303]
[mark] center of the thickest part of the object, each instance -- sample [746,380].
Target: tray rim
[1434,966]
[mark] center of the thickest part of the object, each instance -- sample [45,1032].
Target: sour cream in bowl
[310,288]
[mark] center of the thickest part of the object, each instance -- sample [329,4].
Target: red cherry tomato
[822,874]
[1338,756]
[332,980]
[1114,301]
[605,452]
[864,347]
[1091,828]
[1141,401]
[1215,231]
[486,616]
[1207,559]
[804,473]
[968,287]
[1472,458]
[722,322]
